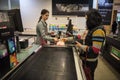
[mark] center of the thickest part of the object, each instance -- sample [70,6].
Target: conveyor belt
[49,63]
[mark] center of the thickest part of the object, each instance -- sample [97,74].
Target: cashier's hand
[55,39]
[64,39]
[78,44]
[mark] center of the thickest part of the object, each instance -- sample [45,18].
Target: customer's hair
[44,11]
[94,19]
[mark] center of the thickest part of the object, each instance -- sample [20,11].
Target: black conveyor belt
[49,63]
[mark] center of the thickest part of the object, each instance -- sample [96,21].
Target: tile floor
[105,71]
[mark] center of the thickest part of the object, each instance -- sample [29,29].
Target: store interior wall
[30,11]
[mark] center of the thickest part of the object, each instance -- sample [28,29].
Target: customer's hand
[78,44]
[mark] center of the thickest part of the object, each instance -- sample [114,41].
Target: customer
[114,27]
[93,41]
[119,29]
[41,29]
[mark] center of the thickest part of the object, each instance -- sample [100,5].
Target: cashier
[41,29]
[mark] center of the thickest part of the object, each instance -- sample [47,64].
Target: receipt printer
[23,43]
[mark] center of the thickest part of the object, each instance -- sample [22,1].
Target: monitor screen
[3,50]
[15,19]
[69,28]
[115,52]
[11,45]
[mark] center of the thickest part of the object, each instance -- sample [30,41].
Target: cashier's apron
[43,41]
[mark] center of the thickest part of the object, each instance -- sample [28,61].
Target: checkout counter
[49,63]
[111,52]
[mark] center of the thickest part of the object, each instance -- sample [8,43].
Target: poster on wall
[105,8]
[70,7]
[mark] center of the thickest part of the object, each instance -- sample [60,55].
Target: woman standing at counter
[41,29]
[93,41]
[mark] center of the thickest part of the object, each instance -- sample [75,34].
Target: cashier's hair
[94,19]
[44,11]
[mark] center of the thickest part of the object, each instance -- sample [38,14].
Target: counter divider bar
[80,74]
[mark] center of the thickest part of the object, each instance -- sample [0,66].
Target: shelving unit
[8,58]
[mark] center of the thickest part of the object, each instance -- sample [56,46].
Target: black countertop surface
[49,63]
